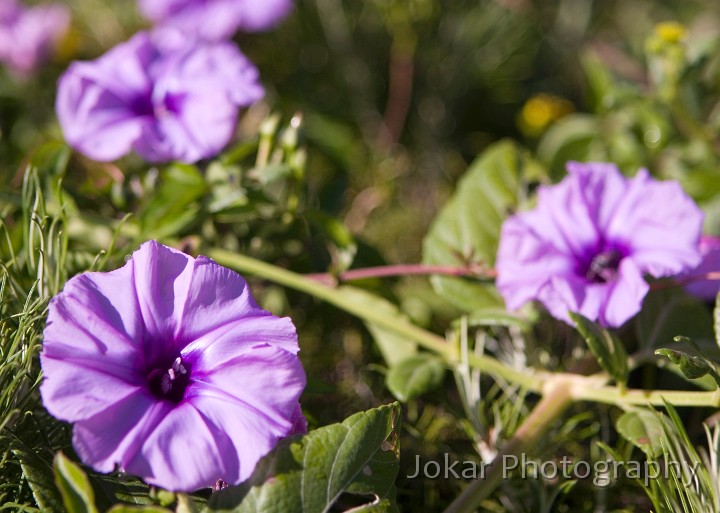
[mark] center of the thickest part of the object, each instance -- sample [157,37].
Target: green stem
[334,297]
[390,322]
[584,388]
[556,399]
[613,395]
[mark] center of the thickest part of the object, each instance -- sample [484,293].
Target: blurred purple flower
[169,370]
[27,35]
[165,101]
[587,244]
[702,288]
[216,19]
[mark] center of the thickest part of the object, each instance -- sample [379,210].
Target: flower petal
[625,297]
[114,435]
[184,452]
[661,245]
[527,260]
[220,310]
[264,381]
[162,276]
[97,101]
[74,391]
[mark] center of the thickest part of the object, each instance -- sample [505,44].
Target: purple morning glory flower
[216,19]
[703,288]
[170,371]
[166,101]
[27,35]
[587,244]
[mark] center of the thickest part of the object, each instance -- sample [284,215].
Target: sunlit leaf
[74,486]
[310,474]
[467,230]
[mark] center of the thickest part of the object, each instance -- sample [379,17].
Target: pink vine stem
[472,271]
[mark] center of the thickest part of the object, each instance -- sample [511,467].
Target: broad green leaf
[414,376]
[393,348]
[691,366]
[175,204]
[309,474]
[574,137]
[670,312]
[606,347]
[74,486]
[644,429]
[467,229]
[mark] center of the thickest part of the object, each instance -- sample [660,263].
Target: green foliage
[690,484]
[414,376]
[316,471]
[691,366]
[74,486]
[175,202]
[644,429]
[606,347]
[393,348]
[466,231]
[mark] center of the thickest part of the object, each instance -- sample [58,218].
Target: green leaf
[38,474]
[644,429]
[467,230]
[598,76]
[574,137]
[393,348]
[414,376]
[309,474]
[606,347]
[74,486]
[343,248]
[110,490]
[175,204]
[691,366]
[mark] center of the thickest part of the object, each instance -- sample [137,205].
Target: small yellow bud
[541,110]
[670,32]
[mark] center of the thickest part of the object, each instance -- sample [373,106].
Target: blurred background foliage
[375,109]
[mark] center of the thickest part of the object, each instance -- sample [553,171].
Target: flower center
[170,383]
[604,266]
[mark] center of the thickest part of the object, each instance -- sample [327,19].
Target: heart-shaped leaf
[467,230]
